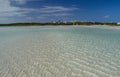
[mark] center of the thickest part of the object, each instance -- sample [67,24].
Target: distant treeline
[95,23]
[60,23]
[36,24]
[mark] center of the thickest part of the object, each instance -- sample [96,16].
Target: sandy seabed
[59,52]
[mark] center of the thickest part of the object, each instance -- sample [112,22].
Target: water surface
[51,51]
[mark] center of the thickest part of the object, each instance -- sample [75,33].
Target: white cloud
[12,13]
[107,16]
[29,18]
[20,1]
[7,10]
[5,6]
[53,15]
[53,9]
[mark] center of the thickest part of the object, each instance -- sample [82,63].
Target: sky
[53,10]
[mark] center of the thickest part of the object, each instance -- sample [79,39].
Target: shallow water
[59,51]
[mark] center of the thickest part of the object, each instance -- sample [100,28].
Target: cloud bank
[13,13]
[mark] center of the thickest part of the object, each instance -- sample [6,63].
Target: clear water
[59,51]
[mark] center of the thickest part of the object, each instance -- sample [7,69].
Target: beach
[59,51]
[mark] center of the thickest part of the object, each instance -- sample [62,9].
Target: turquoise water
[51,51]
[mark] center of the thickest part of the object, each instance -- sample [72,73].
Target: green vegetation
[61,23]
[36,24]
[96,23]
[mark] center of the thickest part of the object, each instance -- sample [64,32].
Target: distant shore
[61,23]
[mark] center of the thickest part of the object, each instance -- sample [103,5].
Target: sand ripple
[57,53]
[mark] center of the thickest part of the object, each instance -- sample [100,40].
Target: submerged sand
[59,52]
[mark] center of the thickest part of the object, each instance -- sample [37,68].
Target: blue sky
[54,10]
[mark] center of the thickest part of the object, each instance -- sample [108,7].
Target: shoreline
[54,25]
[61,23]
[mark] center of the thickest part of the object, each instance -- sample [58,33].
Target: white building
[118,23]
